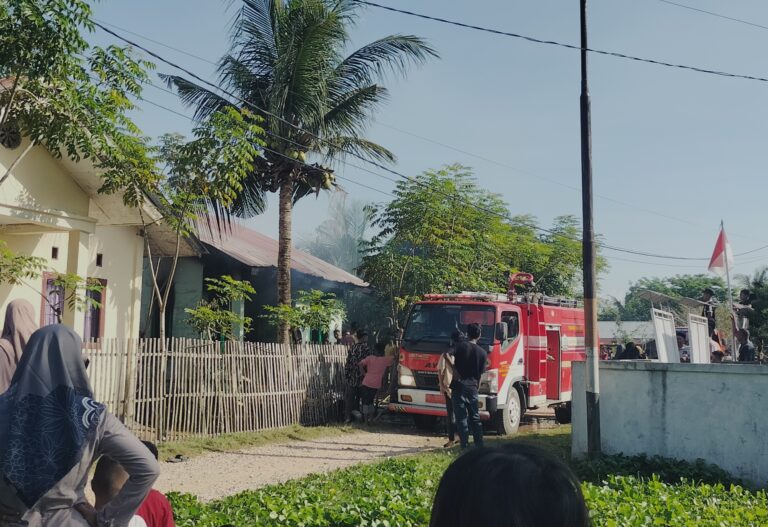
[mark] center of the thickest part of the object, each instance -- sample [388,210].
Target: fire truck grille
[426,379]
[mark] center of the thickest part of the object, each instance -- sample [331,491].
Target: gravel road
[217,475]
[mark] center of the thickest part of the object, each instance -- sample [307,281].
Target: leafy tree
[338,240]
[215,316]
[197,177]
[314,310]
[443,233]
[287,59]
[635,308]
[14,268]
[59,91]
[757,283]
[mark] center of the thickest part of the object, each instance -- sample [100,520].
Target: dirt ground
[221,474]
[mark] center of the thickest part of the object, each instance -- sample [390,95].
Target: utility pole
[588,251]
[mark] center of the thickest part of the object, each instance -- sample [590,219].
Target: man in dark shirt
[469,365]
[747,351]
[746,348]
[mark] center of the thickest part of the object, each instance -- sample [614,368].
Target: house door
[554,364]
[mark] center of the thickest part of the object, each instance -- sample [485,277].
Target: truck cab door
[554,364]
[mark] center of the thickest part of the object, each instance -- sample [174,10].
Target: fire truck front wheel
[507,419]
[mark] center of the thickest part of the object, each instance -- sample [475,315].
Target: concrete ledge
[715,412]
[646,365]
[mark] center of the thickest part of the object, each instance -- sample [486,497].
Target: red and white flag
[722,255]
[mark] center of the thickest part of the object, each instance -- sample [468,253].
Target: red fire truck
[532,340]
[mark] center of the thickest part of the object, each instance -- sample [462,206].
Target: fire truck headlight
[405,376]
[489,382]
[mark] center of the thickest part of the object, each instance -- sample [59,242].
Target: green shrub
[620,492]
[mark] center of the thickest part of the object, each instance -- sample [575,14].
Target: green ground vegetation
[620,491]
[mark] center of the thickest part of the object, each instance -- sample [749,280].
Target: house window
[94,315]
[53,302]
[99,260]
[54,253]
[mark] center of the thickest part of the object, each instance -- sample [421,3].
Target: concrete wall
[122,251]
[715,412]
[188,291]
[39,183]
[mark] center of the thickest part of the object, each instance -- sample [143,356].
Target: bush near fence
[186,388]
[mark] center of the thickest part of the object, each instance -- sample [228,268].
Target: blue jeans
[467,415]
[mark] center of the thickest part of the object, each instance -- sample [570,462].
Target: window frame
[102,312]
[45,306]
[515,314]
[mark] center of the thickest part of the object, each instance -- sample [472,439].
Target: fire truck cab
[531,340]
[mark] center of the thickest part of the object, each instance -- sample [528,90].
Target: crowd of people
[719,349]
[52,430]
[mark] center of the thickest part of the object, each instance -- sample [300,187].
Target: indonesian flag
[722,255]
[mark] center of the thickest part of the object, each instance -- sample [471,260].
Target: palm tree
[287,61]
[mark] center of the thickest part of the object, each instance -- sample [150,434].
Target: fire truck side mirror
[501,331]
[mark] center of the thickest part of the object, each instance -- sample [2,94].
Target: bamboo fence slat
[185,388]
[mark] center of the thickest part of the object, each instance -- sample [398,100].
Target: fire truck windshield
[436,322]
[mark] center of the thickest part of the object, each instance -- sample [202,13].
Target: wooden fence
[191,388]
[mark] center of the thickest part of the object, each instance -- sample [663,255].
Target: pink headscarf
[20,323]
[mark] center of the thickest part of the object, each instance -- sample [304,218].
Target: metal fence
[184,388]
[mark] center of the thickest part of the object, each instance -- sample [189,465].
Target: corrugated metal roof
[258,250]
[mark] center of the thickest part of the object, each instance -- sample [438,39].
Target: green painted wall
[188,291]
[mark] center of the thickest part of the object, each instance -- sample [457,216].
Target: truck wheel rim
[514,413]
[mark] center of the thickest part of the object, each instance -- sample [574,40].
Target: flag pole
[734,351]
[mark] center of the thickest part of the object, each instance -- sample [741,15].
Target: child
[372,368]
[108,478]
[156,509]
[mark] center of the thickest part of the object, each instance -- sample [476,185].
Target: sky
[674,152]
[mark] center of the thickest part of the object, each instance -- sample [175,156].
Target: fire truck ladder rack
[536,298]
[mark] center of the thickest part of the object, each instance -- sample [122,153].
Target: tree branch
[16,162]
[7,110]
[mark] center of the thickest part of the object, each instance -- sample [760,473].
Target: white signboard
[698,339]
[666,336]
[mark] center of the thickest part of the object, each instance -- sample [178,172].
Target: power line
[712,13]
[563,44]
[498,163]
[150,39]
[192,119]
[553,181]
[374,163]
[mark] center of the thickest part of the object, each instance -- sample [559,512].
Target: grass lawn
[620,491]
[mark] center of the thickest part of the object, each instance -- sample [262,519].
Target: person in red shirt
[372,368]
[156,510]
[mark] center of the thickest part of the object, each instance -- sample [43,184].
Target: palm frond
[206,102]
[252,200]
[373,61]
[306,62]
[340,146]
[256,21]
[351,110]
[252,86]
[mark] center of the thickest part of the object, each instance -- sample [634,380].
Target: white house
[51,208]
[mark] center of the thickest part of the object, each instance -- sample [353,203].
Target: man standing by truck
[469,365]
